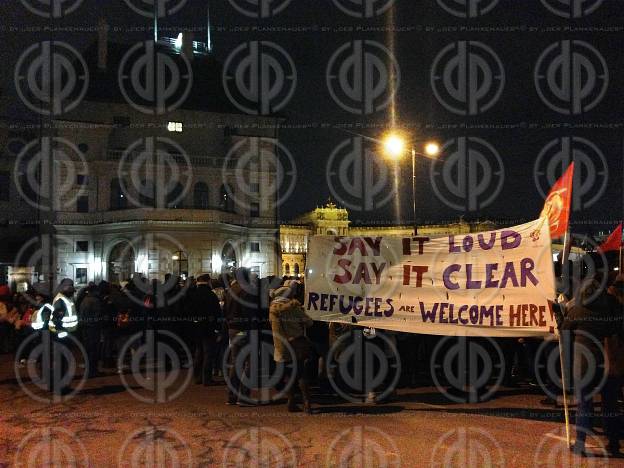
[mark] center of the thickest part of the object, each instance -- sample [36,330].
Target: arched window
[226,200]
[287,269]
[201,196]
[118,199]
[147,194]
[296,269]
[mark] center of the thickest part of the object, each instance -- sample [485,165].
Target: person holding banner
[591,318]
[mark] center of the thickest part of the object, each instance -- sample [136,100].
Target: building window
[83,147]
[82,204]
[254,247]
[175,197]
[81,276]
[297,270]
[82,180]
[82,246]
[287,269]
[254,187]
[201,196]
[4,186]
[175,127]
[118,199]
[254,210]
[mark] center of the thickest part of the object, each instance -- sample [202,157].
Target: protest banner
[495,283]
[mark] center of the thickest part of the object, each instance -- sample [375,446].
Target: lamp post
[394,147]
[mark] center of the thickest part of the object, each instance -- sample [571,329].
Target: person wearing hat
[203,305]
[289,323]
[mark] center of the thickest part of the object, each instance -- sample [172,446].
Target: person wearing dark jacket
[203,305]
[240,310]
[590,317]
[92,315]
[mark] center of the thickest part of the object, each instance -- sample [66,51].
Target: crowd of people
[214,318]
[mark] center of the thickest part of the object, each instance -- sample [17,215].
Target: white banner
[496,283]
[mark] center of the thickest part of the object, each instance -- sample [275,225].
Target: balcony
[155,216]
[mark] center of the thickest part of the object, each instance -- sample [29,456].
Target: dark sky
[518,32]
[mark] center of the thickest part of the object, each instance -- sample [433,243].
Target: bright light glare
[178,41]
[432,149]
[394,146]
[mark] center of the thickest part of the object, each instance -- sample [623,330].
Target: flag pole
[564,381]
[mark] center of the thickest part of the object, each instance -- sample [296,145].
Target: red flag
[613,242]
[557,204]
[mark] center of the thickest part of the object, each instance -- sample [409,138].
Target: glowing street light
[394,146]
[432,149]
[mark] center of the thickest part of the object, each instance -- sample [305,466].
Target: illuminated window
[175,127]
[254,246]
[81,276]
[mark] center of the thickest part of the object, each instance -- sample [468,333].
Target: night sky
[311,31]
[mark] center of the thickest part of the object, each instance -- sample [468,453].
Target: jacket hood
[281,304]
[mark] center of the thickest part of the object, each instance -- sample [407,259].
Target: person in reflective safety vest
[59,317]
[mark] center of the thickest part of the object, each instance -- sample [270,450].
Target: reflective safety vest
[69,320]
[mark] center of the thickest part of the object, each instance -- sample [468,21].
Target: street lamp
[394,146]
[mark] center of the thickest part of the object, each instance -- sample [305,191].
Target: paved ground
[106,425]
